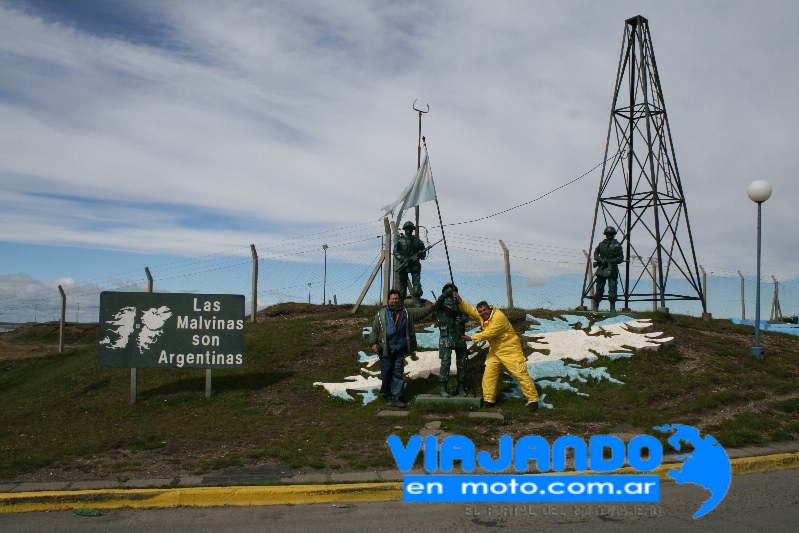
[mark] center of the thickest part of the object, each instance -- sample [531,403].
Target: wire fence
[299,269]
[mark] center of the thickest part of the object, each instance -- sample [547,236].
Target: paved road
[767,501]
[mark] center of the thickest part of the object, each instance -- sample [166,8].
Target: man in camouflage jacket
[451,322]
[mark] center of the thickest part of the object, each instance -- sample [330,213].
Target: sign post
[171,330]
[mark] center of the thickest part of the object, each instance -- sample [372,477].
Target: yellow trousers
[517,367]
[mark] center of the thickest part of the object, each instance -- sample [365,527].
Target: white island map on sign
[561,347]
[123,326]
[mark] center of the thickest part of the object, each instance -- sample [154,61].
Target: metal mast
[640,193]
[418,153]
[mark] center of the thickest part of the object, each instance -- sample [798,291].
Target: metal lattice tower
[640,193]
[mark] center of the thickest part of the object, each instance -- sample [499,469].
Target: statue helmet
[610,230]
[408,225]
[448,289]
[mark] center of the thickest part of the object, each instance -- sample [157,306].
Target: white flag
[421,189]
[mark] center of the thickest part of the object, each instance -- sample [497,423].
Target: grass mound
[64,417]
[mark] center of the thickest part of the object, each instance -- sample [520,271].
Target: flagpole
[419,153]
[446,250]
[440,222]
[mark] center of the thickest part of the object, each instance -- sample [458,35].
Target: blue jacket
[379,334]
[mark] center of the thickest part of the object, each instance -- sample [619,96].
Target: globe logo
[707,465]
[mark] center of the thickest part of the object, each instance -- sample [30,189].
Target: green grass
[64,411]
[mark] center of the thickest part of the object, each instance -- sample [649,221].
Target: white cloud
[293,115]
[29,300]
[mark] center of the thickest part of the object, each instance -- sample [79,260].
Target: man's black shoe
[398,403]
[484,403]
[532,406]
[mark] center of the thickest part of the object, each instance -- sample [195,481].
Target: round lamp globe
[759,191]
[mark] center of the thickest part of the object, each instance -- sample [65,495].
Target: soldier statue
[451,322]
[607,256]
[408,252]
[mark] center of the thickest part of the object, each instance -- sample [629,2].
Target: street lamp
[759,191]
[324,279]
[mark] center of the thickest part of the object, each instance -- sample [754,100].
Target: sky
[175,134]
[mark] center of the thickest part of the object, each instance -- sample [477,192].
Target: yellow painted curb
[18,502]
[741,465]
[11,502]
[764,463]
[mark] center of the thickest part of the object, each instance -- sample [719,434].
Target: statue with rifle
[408,253]
[607,256]
[451,322]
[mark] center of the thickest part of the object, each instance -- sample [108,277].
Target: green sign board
[171,330]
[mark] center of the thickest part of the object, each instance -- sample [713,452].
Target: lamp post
[324,279]
[759,191]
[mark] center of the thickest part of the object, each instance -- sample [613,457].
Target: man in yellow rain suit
[505,351]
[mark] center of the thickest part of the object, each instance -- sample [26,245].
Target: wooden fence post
[590,274]
[706,315]
[776,310]
[63,319]
[383,261]
[386,260]
[704,282]
[743,304]
[369,282]
[134,372]
[389,265]
[508,285]
[654,272]
[254,310]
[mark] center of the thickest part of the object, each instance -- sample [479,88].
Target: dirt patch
[37,340]
[347,323]
[293,309]
[692,359]
[16,351]
[177,459]
[715,417]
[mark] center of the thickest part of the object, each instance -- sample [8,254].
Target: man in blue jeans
[393,337]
